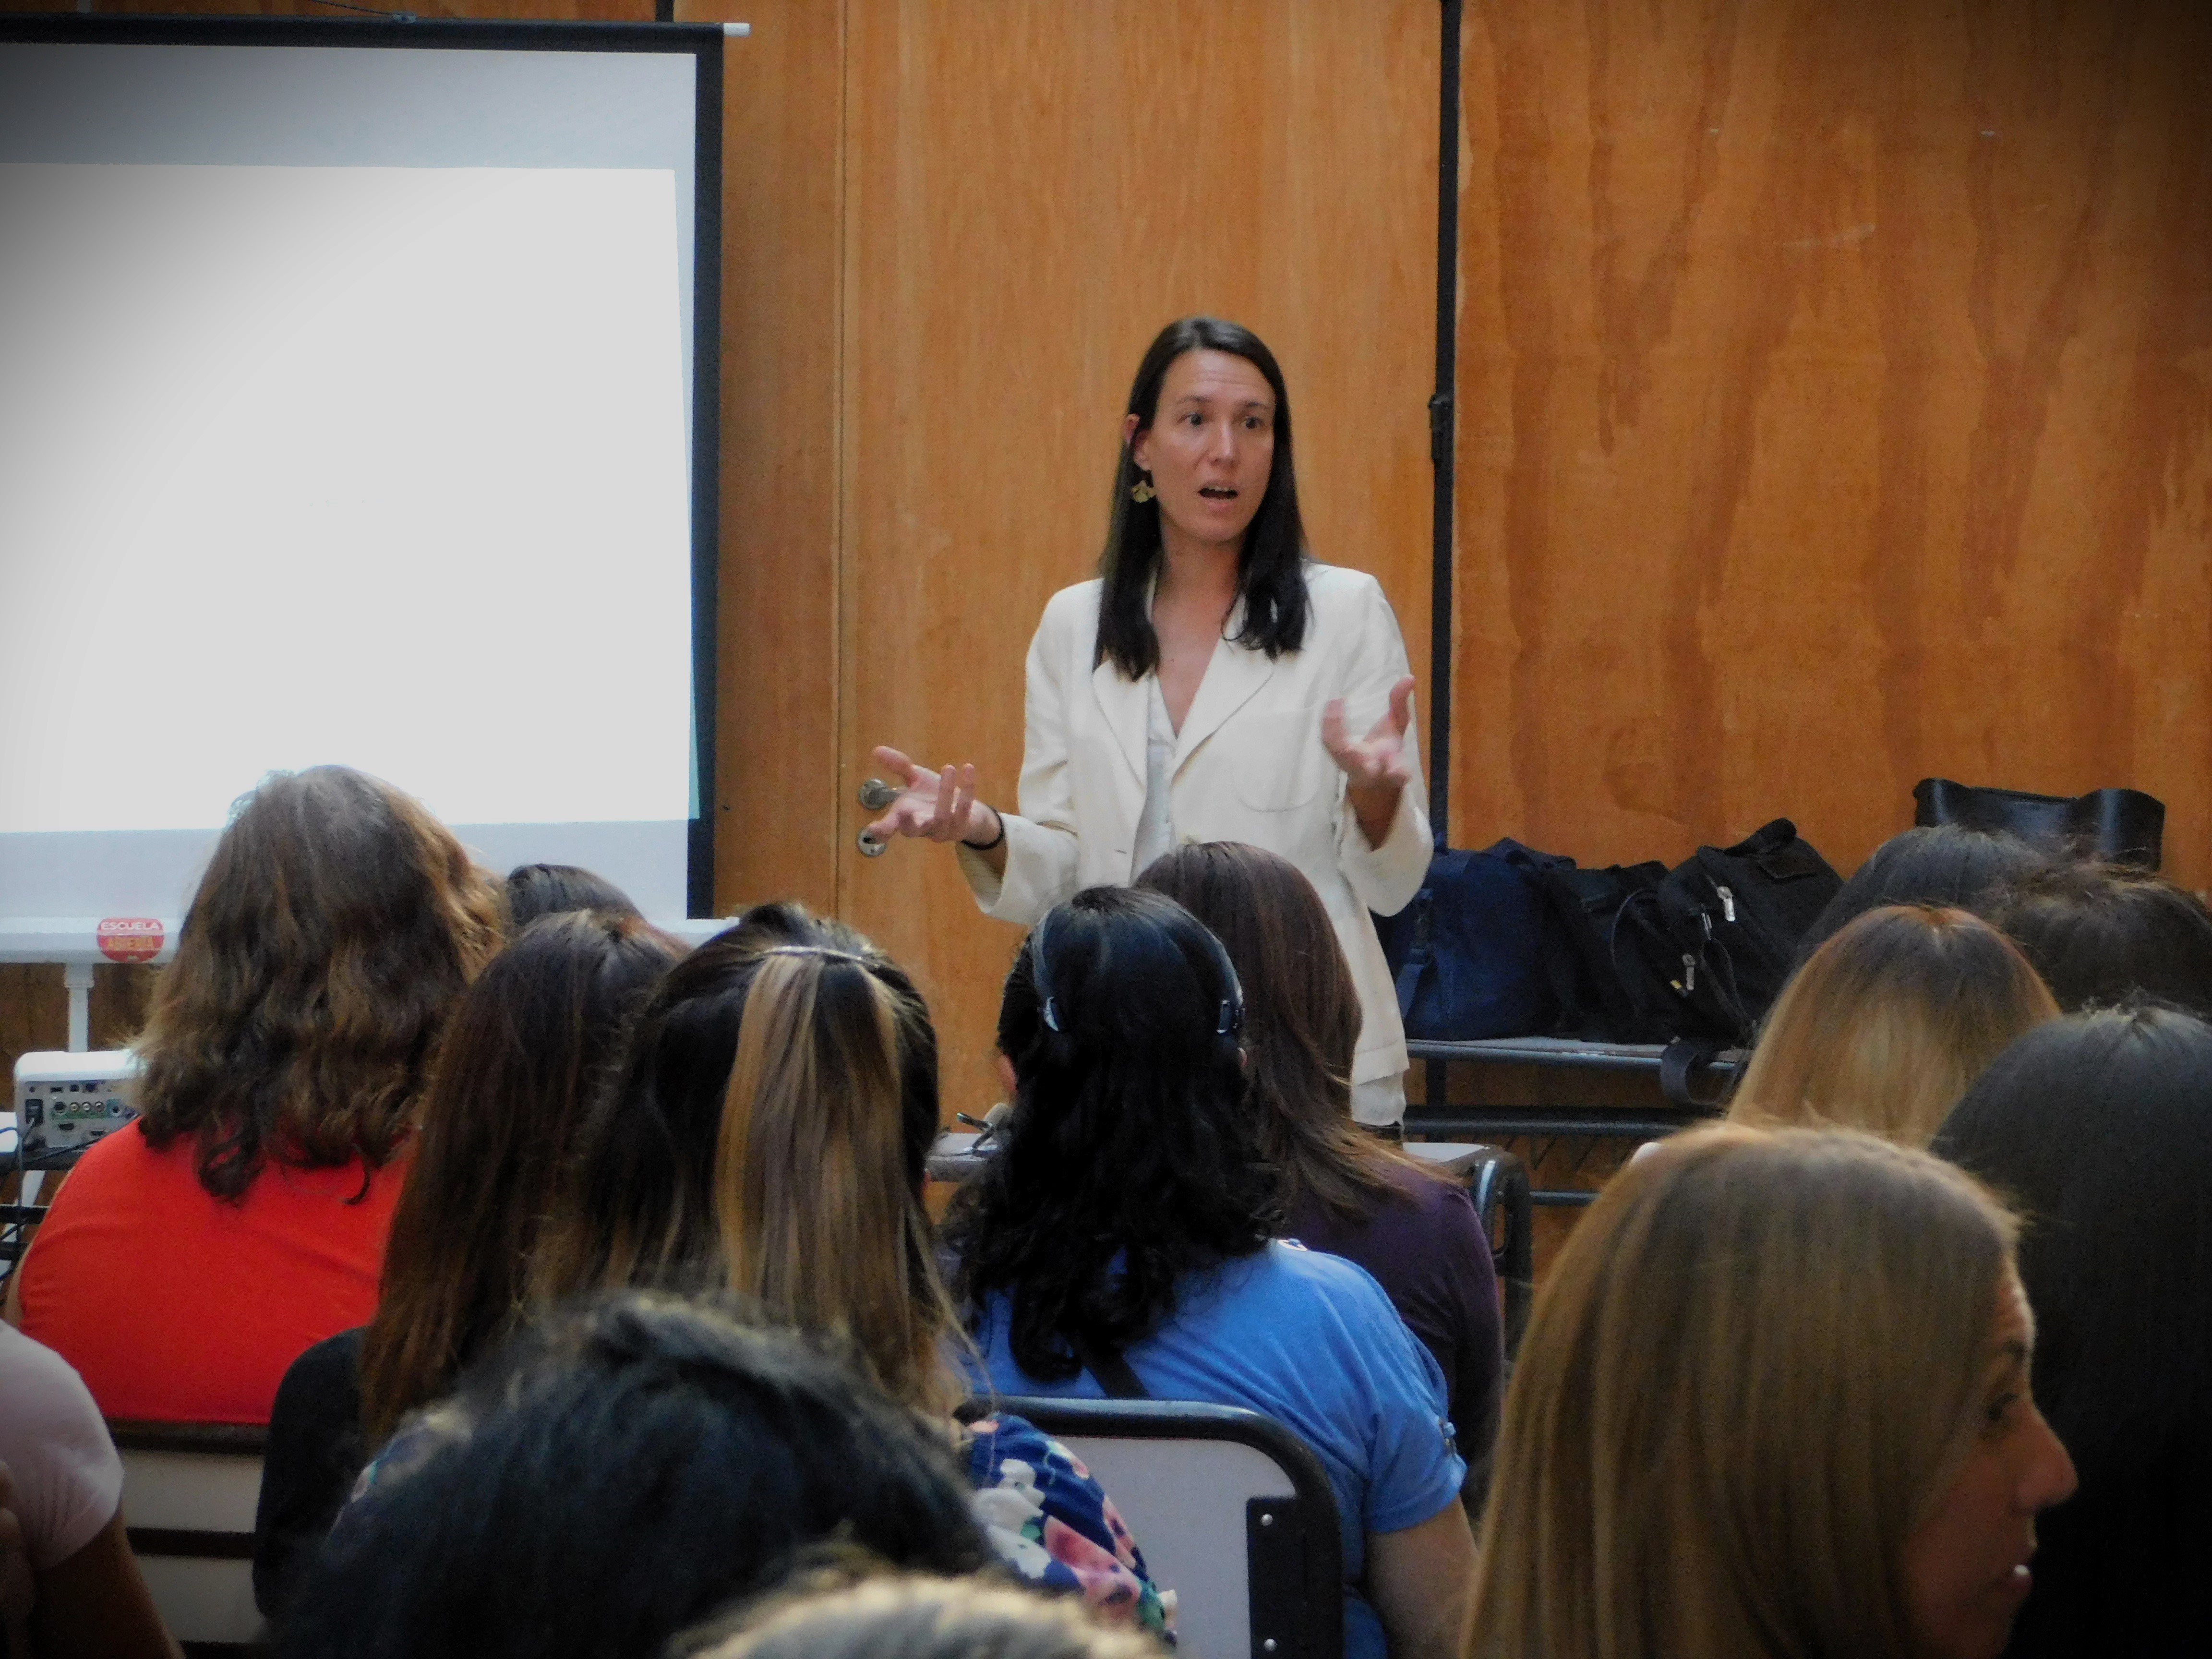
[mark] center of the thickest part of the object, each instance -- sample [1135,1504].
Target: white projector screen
[349,413]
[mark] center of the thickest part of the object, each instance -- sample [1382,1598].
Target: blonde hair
[1890,1022]
[817,1217]
[907,1616]
[1755,1366]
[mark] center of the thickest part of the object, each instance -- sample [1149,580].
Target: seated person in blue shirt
[1126,1222]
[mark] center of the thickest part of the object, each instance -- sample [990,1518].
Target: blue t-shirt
[1311,1340]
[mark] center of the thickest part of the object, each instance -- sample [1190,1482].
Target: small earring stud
[1142,491]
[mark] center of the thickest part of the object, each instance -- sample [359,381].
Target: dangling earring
[1142,491]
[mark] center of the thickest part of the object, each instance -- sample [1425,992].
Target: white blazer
[1249,766]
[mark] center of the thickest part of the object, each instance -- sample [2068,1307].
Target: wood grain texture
[1836,410]
[776,754]
[592,11]
[1031,192]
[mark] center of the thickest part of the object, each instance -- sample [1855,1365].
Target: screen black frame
[701,41]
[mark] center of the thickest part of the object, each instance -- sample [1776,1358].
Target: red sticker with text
[130,939]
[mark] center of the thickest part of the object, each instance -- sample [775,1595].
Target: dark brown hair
[1271,571]
[527,1047]
[2100,932]
[1301,1022]
[336,924]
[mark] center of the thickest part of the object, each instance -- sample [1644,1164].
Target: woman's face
[1211,446]
[1966,1565]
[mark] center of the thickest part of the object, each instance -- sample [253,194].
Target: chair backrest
[1497,1182]
[1232,1511]
[189,1494]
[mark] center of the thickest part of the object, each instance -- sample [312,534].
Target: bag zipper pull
[1688,982]
[1728,903]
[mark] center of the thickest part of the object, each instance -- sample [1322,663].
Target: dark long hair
[1129,1158]
[2099,1126]
[767,1132]
[1932,864]
[1271,576]
[529,1045]
[2099,933]
[543,890]
[621,1473]
[1301,1024]
[335,926]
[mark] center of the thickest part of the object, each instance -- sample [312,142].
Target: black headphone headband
[1228,1023]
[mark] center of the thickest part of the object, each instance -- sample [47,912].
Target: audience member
[769,1133]
[528,1046]
[544,890]
[1119,1241]
[69,1584]
[2100,1125]
[1342,1189]
[1773,1401]
[614,1475]
[1942,864]
[2099,933]
[907,1616]
[186,1263]
[1888,1022]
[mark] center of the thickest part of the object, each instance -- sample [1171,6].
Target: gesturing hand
[933,806]
[1377,761]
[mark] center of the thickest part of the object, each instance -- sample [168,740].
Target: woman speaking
[1207,686]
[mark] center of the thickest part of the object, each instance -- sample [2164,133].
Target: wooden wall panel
[776,833]
[1031,192]
[1835,409]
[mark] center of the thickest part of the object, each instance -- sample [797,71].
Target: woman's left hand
[1377,766]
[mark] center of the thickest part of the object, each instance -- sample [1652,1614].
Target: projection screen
[357,394]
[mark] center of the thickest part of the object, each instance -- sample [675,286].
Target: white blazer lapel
[1232,679]
[1126,703]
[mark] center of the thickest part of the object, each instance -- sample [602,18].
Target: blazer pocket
[1281,764]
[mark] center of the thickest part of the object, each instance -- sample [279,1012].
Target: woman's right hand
[934,805]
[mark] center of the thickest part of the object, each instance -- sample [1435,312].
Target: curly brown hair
[336,927]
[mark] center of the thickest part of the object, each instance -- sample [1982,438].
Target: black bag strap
[1683,1057]
[1111,1370]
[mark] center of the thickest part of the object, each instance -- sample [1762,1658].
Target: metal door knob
[876,794]
[870,846]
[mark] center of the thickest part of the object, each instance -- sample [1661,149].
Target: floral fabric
[1050,1521]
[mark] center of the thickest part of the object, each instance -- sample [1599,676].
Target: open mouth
[1217,492]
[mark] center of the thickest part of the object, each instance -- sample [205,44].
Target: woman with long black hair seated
[1126,1226]
[2100,1125]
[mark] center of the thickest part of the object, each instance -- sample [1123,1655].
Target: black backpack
[1723,929]
[1607,978]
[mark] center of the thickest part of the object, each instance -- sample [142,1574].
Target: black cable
[1443,429]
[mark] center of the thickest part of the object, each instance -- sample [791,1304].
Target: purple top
[1429,1254]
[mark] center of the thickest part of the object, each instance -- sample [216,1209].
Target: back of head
[545,890]
[530,1043]
[336,924]
[1748,1377]
[616,1477]
[767,1131]
[2099,1127]
[2100,932]
[898,1616]
[1934,864]
[1887,1024]
[1129,1158]
[1301,1018]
